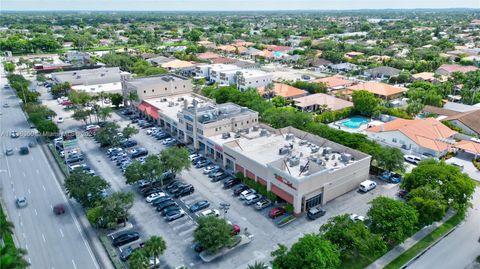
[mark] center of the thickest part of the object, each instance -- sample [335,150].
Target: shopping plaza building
[302,169]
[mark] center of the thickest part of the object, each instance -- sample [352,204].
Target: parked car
[21,202]
[197,160]
[412,159]
[165,205]
[457,165]
[199,205]
[355,218]
[194,156]
[127,252]
[14,134]
[179,188]
[219,176]
[209,169]
[239,189]
[367,186]
[197,247]
[230,182]
[138,152]
[391,177]
[315,212]
[169,209]
[174,215]
[154,196]
[210,212]
[185,191]
[168,141]
[402,194]
[60,120]
[202,163]
[157,202]
[252,199]
[9,151]
[125,238]
[276,212]
[262,203]
[246,193]
[152,130]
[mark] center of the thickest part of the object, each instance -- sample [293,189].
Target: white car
[355,218]
[209,169]
[210,212]
[194,156]
[152,130]
[154,196]
[412,159]
[168,141]
[246,193]
[60,120]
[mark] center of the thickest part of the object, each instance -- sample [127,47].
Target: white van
[367,185]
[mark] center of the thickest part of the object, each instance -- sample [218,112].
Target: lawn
[426,241]
[59,159]
[360,262]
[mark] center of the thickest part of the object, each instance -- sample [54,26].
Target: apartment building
[253,78]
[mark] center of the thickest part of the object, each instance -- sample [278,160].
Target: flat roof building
[158,86]
[252,78]
[321,101]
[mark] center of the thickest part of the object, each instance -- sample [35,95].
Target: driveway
[465,159]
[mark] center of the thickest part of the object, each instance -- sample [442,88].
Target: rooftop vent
[180,99]
[163,99]
[255,128]
[302,142]
[237,135]
[263,132]
[346,157]
[314,148]
[170,104]
[293,161]
[327,150]
[284,151]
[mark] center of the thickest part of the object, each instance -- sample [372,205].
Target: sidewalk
[399,249]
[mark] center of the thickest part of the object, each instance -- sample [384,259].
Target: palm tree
[258,265]
[12,258]
[6,227]
[154,247]
[138,260]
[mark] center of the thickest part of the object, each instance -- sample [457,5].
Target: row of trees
[132,64]
[10,256]
[21,87]
[433,188]
[41,116]
[279,117]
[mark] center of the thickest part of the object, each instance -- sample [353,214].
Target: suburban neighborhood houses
[281,139]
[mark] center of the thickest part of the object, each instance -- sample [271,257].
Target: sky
[200,5]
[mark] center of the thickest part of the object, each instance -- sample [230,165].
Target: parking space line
[187,231]
[61,232]
[44,240]
[24,175]
[36,212]
[31,157]
[38,172]
[74,265]
[182,225]
[44,188]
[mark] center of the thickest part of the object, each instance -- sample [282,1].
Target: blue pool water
[355,122]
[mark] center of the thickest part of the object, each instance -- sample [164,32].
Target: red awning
[148,109]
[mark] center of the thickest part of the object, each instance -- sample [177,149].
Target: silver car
[21,202]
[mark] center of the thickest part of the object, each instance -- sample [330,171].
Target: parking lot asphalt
[178,234]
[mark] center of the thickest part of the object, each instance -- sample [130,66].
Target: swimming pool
[355,122]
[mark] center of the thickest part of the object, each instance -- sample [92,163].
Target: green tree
[279,101]
[429,203]
[310,252]
[258,265]
[9,67]
[85,188]
[392,219]
[212,233]
[133,97]
[456,187]
[365,103]
[175,159]
[79,97]
[133,172]
[60,89]
[139,260]
[47,127]
[12,258]
[129,131]
[41,77]
[391,159]
[104,113]
[6,227]
[194,35]
[152,168]
[108,135]
[117,99]
[352,238]
[81,114]
[154,247]
[109,211]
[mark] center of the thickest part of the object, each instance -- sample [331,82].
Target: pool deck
[361,129]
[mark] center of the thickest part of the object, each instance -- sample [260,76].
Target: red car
[276,212]
[235,229]
[59,209]
[67,103]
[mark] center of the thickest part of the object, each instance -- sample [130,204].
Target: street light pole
[224,207]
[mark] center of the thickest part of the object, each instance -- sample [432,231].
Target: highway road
[460,248]
[51,241]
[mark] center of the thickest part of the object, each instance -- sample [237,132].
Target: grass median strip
[426,241]
[112,253]
[59,159]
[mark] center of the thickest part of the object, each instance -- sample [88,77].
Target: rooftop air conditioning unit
[255,128]
[303,142]
[170,104]
[246,130]
[263,132]
[225,135]
[314,148]
[346,157]
[283,151]
[289,136]
[294,161]
[180,99]
[327,150]
[163,100]
[237,135]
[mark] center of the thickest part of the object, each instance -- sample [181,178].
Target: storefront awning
[148,109]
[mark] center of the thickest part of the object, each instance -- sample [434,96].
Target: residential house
[320,63]
[343,67]
[449,69]
[382,72]
[157,61]
[180,66]
[381,90]
[468,121]
[430,77]
[279,89]
[322,102]
[336,82]
[422,136]
[208,56]
[353,55]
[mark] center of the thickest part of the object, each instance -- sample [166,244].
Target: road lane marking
[74,265]
[26,246]
[24,175]
[29,192]
[31,157]
[29,261]
[51,207]
[43,186]
[36,212]
[43,236]
[61,232]
[38,172]
[21,223]
[24,236]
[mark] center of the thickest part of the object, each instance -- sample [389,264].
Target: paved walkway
[399,249]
